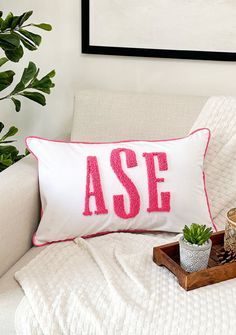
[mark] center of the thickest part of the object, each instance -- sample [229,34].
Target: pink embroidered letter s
[153,182]
[118,200]
[93,176]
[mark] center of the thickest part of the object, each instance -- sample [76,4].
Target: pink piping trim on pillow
[134,231]
[204,182]
[125,141]
[48,243]
[114,142]
[207,201]
[208,141]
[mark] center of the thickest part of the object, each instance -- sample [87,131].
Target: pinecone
[226,256]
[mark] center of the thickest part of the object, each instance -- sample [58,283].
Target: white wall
[61,50]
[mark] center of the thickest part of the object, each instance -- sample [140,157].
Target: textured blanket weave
[219,115]
[109,285]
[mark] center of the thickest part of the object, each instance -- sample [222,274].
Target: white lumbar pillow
[94,188]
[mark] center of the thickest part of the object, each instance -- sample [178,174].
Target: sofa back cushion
[115,116]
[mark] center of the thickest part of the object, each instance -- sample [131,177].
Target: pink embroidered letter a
[153,182]
[93,177]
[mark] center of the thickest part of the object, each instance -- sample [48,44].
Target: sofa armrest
[19,210]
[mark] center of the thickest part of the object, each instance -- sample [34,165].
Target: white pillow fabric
[94,188]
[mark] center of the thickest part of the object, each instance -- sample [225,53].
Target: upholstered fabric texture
[11,293]
[115,116]
[19,208]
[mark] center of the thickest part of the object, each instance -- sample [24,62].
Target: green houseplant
[15,37]
[195,247]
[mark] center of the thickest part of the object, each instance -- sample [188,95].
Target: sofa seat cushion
[11,293]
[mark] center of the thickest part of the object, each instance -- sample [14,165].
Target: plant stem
[17,28]
[6,97]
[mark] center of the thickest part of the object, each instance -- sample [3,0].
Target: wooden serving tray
[168,255]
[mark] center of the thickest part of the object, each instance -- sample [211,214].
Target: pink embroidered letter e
[153,182]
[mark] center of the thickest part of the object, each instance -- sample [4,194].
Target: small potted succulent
[195,247]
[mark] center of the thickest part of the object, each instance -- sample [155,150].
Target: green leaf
[18,157]
[45,84]
[35,96]
[43,26]
[7,22]
[197,234]
[1,126]
[15,22]
[31,36]
[19,87]
[200,242]
[15,55]
[51,74]
[3,60]
[17,104]
[209,230]
[6,78]
[28,44]
[8,151]
[6,142]
[29,73]
[11,132]
[1,22]
[41,86]
[25,16]
[5,161]
[8,156]
[9,41]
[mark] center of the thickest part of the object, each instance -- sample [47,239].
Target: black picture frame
[87,48]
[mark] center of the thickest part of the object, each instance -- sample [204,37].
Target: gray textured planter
[194,257]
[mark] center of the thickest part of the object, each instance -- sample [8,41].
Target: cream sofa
[98,116]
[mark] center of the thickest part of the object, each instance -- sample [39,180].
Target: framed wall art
[187,29]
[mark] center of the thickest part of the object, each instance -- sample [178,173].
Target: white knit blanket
[110,285]
[219,115]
